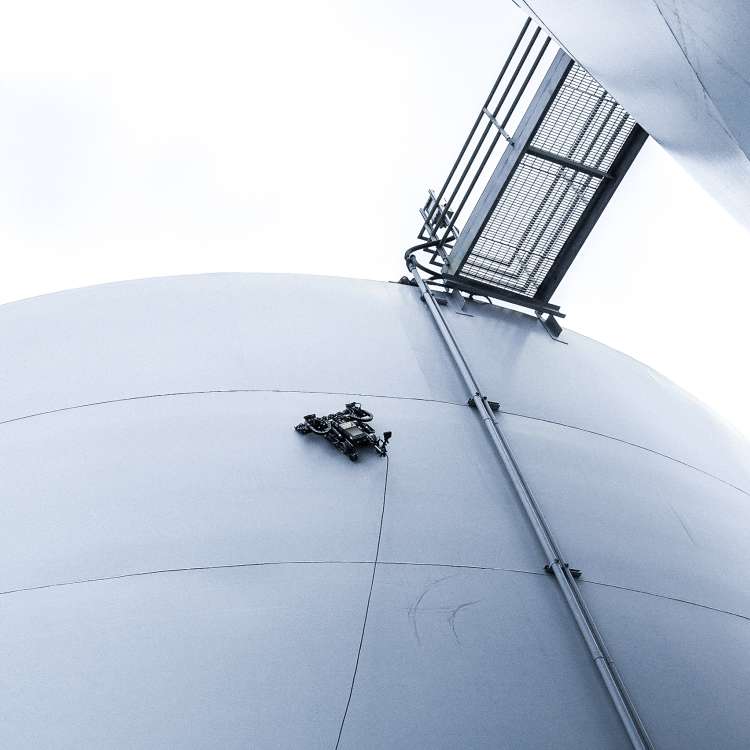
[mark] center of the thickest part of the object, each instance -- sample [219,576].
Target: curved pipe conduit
[556,562]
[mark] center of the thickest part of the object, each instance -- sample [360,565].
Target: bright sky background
[156,138]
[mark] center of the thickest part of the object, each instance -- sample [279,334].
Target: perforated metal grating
[543,200]
[584,123]
[538,210]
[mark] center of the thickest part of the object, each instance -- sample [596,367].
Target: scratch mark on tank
[452,617]
[415,608]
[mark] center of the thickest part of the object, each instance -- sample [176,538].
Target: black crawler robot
[346,430]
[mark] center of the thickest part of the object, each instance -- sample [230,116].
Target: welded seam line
[664,596]
[627,442]
[716,115]
[198,568]
[125,399]
[367,606]
[488,568]
[225,390]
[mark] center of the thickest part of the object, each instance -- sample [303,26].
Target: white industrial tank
[181,569]
[680,68]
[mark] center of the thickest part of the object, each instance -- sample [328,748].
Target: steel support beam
[563,162]
[487,290]
[494,121]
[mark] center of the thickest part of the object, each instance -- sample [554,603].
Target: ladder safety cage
[565,155]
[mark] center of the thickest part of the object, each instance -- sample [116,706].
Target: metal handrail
[439,221]
[477,121]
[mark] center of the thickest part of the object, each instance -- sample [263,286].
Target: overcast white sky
[155,138]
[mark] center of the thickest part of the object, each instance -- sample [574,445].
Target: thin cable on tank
[367,606]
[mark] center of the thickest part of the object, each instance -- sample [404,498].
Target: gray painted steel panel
[218,479]
[438,511]
[485,660]
[591,386]
[688,665]
[217,331]
[206,659]
[637,519]
[681,68]
[264,655]
[223,479]
[234,331]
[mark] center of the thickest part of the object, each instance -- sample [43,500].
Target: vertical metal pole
[555,561]
[487,155]
[477,121]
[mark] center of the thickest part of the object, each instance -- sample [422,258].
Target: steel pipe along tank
[181,569]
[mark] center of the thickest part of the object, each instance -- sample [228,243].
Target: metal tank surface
[681,68]
[181,569]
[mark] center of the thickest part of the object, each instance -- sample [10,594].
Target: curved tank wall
[179,568]
[681,68]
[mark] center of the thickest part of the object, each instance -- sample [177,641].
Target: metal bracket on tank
[553,328]
[494,405]
[575,572]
